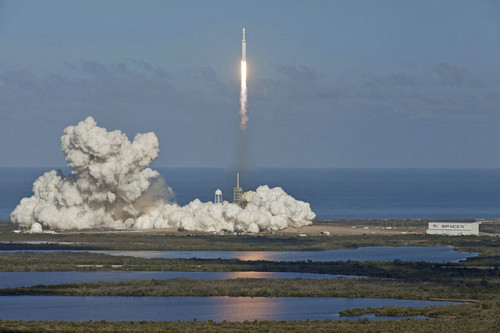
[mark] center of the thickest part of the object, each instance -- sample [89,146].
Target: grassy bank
[157,240]
[409,271]
[476,279]
[480,315]
[170,242]
[343,287]
[473,319]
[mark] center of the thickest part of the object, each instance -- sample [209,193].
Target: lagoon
[115,308]
[438,254]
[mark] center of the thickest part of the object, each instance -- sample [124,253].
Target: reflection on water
[380,253]
[187,308]
[247,308]
[20,279]
[252,255]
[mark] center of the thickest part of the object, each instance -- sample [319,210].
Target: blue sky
[331,83]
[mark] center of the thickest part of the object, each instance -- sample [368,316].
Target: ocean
[333,193]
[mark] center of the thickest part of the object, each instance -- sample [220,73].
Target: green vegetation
[174,242]
[203,242]
[476,280]
[429,311]
[480,314]
[183,241]
[342,287]
[473,319]
[409,271]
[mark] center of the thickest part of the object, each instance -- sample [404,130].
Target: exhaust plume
[111,186]
[243,89]
[243,96]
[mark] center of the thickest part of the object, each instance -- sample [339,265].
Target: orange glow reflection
[255,255]
[249,308]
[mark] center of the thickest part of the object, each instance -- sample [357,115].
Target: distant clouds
[88,87]
[299,73]
[446,91]
[194,110]
[365,84]
[454,75]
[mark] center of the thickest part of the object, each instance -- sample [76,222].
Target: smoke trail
[243,96]
[242,153]
[111,186]
[242,140]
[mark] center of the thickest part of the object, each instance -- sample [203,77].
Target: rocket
[243,47]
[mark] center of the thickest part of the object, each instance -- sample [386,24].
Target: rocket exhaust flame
[243,89]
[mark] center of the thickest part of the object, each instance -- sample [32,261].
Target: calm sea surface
[187,308]
[332,193]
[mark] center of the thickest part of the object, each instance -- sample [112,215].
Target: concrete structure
[453,228]
[218,196]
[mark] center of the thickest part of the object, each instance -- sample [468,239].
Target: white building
[453,228]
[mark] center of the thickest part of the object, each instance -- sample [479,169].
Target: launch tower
[238,192]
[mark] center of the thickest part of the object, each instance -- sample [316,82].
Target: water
[380,253]
[332,193]
[26,279]
[187,308]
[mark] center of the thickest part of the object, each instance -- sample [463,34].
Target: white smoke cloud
[112,187]
[36,228]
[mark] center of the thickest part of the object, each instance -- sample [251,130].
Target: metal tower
[237,192]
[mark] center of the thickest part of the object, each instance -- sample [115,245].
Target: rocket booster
[243,47]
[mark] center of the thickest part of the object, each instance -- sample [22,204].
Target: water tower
[218,196]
